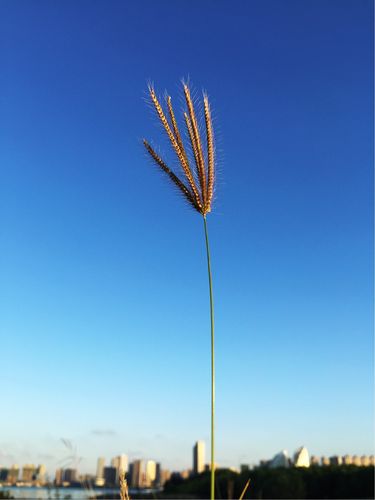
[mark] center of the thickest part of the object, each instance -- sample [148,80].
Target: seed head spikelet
[193,144]
[200,159]
[185,191]
[210,153]
[175,127]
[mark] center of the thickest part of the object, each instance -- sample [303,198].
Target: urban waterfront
[54,493]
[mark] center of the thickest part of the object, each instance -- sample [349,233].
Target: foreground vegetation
[314,482]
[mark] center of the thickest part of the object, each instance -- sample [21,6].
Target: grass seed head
[198,185]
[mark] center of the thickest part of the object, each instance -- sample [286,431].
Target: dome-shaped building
[280,460]
[301,457]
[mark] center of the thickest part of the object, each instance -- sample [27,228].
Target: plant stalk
[212,496]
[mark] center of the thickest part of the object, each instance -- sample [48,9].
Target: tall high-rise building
[120,462]
[70,475]
[150,473]
[138,477]
[158,475]
[99,478]
[41,474]
[100,468]
[198,457]
[59,477]
[110,476]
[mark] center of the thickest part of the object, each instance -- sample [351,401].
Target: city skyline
[199,463]
[141,473]
[104,329]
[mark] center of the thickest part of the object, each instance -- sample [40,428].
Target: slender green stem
[212,364]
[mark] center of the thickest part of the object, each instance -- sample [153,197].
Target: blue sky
[104,298]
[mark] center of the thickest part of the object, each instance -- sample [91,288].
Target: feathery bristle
[192,140]
[210,153]
[185,191]
[198,146]
[175,127]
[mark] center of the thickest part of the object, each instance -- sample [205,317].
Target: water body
[56,493]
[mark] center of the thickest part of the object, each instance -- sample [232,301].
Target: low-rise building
[335,460]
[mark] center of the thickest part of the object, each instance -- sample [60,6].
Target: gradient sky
[104,296]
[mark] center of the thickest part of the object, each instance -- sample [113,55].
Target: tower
[198,457]
[99,479]
[138,476]
[100,468]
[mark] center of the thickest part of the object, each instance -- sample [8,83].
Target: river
[55,493]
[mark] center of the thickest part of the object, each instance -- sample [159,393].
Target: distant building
[314,460]
[28,473]
[279,460]
[130,473]
[347,460]
[185,474]
[198,457]
[244,467]
[158,475]
[165,476]
[301,457]
[70,476]
[365,461]
[335,460]
[207,467]
[3,474]
[41,474]
[138,476]
[59,477]
[13,474]
[99,478]
[100,468]
[121,464]
[150,473]
[372,460]
[115,465]
[325,461]
[110,476]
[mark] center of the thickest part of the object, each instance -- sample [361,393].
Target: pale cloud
[104,432]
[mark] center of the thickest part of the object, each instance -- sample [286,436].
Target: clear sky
[104,295]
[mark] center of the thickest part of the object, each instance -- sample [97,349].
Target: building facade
[198,457]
